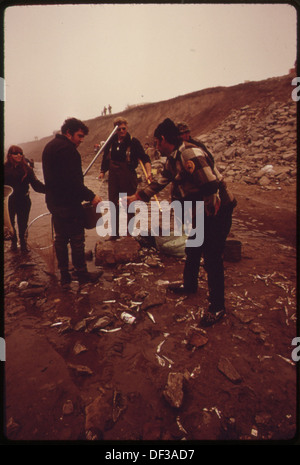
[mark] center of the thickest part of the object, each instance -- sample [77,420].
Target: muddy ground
[66,380]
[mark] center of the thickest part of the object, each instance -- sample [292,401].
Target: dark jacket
[63,174]
[130,151]
[14,177]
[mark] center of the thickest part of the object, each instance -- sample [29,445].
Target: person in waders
[120,159]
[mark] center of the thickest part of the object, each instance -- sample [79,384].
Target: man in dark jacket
[121,159]
[65,190]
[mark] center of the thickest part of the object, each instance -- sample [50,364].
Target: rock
[98,416]
[258,329]
[68,407]
[196,340]
[12,427]
[229,153]
[80,326]
[244,317]
[247,135]
[79,348]
[101,323]
[33,292]
[228,370]
[124,250]
[173,391]
[264,181]
[80,369]
[153,299]
[119,405]
[23,285]
[266,169]
[65,325]
[289,156]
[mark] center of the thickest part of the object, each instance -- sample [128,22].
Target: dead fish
[122,305]
[159,346]
[217,411]
[160,360]
[180,425]
[168,360]
[151,317]
[109,330]
[135,264]
[195,371]
[286,360]
[160,282]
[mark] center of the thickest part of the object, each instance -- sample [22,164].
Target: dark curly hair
[73,125]
[169,130]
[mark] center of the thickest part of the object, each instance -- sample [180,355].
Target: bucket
[171,245]
[91,217]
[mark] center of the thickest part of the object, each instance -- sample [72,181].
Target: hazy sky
[71,60]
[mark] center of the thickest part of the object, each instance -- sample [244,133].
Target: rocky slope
[248,126]
[257,144]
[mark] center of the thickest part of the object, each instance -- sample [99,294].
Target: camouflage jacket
[189,170]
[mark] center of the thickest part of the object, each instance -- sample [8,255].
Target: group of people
[104,111]
[189,167]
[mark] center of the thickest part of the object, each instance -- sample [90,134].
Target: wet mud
[93,362]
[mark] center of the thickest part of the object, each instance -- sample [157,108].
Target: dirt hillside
[202,110]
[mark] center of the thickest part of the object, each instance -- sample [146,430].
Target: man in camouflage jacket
[194,179]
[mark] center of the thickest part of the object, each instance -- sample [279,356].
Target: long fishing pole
[149,182]
[101,150]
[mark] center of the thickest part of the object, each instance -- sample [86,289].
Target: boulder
[124,250]
[173,391]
